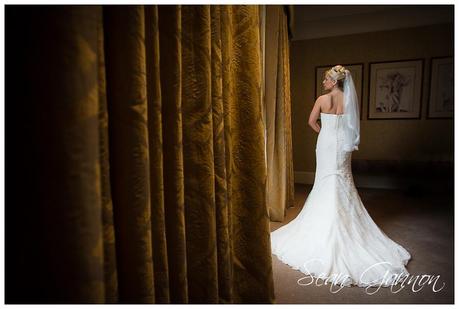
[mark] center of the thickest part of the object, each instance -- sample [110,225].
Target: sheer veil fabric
[351,114]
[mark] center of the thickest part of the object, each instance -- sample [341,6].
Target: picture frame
[356,70]
[395,89]
[441,88]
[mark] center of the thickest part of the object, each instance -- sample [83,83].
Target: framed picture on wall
[395,89]
[356,70]
[441,96]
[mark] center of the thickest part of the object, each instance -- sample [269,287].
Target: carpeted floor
[420,221]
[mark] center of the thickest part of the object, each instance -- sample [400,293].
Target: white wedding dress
[333,237]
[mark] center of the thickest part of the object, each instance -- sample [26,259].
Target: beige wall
[418,139]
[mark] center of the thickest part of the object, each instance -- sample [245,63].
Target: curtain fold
[280,188]
[146,152]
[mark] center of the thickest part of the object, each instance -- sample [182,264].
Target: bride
[334,238]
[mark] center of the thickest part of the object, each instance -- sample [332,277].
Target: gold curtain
[280,184]
[138,155]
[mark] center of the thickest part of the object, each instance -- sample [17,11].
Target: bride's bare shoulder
[325,96]
[323,99]
[321,104]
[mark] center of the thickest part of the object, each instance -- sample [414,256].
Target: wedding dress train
[333,237]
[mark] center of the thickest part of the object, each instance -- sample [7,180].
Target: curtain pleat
[284,90]
[70,198]
[110,267]
[148,156]
[129,155]
[246,165]
[280,187]
[171,95]
[199,160]
[155,133]
[223,231]
[290,177]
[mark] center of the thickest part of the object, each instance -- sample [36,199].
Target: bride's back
[334,104]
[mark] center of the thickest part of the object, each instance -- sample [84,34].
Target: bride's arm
[315,126]
[315,114]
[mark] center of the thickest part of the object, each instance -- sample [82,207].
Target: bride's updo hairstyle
[338,73]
